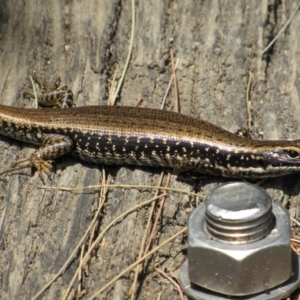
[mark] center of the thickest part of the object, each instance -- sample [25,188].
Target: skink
[116,135]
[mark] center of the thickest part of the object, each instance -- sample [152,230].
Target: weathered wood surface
[217,44]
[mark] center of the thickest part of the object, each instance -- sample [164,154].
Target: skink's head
[279,158]
[263,159]
[288,156]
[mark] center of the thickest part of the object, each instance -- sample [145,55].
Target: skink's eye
[292,154]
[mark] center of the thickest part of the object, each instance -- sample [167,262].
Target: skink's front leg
[53,146]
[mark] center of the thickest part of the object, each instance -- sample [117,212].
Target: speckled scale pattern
[148,137]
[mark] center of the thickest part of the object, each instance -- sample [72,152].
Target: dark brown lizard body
[146,137]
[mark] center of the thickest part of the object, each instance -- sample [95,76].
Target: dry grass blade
[282,29]
[142,245]
[295,221]
[173,281]
[157,217]
[295,240]
[138,262]
[79,291]
[129,54]
[177,105]
[101,235]
[34,91]
[112,89]
[168,88]
[75,251]
[122,186]
[138,102]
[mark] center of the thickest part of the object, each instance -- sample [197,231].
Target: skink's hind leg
[53,146]
[54,96]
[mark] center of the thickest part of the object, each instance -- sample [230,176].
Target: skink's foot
[53,146]
[42,166]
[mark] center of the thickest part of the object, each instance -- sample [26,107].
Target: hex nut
[239,269]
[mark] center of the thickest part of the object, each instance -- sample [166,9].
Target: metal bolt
[239,245]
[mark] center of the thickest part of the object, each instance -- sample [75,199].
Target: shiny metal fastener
[239,246]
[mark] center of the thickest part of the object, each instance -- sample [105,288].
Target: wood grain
[85,42]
